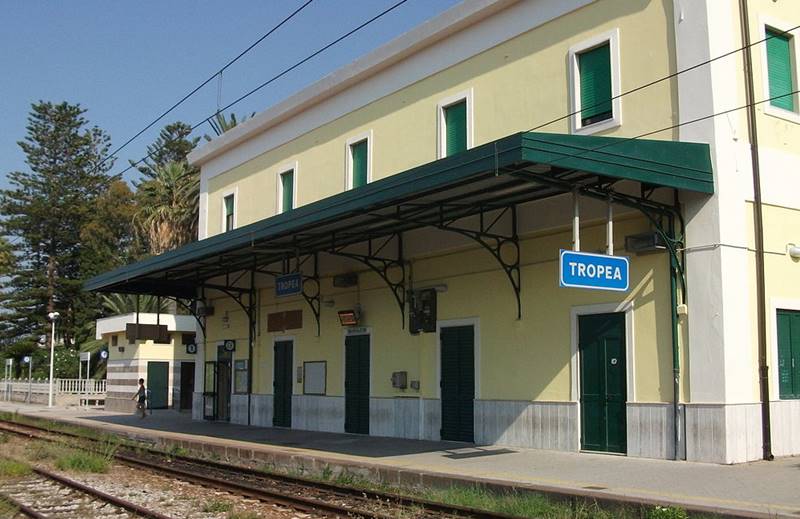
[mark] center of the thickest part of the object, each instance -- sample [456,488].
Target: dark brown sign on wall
[157,333]
[282,321]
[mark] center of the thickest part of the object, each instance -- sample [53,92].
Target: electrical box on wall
[400,379]
[422,312]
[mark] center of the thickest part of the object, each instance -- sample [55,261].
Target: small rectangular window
[358,163]
[114,340]
[780,70]
[229,208]
[594,70]
[287,190]
[789,353]
[240,375]
[455,128]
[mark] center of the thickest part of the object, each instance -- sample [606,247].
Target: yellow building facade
[423,192]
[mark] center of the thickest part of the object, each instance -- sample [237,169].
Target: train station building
[529,223]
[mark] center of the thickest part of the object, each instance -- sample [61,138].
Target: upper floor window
[359,166]
[229,213]
[455,124]
[789,353]
[780,69]
[286,190]
[595,84]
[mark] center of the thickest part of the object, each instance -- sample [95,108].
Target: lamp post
[53,316]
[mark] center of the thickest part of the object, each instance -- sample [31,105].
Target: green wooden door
[788,354]
[282,385]
[356,384]
[458,383]
[158,384]
[601,339]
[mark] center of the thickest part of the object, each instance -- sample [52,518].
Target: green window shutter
[594,68]
[358,156]
[779,70]
[455,128]
[788,354]
[229,213]
[287,190]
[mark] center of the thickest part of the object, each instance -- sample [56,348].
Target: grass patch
[13,468]
[7,509]
[78,461]
[217,506]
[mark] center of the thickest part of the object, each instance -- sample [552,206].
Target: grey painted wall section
[719,433]
[197,406]
[538,425]
[395,417]
[431,419]
[318,413]
[239,409]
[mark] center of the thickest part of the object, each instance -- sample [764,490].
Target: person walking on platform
[141,399]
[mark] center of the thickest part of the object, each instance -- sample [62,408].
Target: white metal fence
[65,390]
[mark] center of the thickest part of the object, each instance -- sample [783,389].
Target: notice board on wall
[314,377]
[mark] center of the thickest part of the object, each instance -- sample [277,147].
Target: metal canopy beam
[386,265]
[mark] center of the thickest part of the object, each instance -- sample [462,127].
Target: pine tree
[173,144]
[45,210]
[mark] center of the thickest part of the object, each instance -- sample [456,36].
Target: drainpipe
[676,359]
[758,220]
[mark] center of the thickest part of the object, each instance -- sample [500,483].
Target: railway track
[47,495]
[306,495]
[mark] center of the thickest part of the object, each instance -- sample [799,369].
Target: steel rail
[343,490]
[25,509]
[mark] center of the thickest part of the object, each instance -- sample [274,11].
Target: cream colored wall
[516,85]
[527,359]
[147,350]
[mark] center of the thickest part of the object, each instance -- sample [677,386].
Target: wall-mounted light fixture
[349,317]
[793,250]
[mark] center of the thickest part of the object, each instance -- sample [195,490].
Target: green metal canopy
[504,173]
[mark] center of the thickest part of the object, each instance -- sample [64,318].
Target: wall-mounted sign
[595,271]
[289,285]
[26,359]
[85,356]
[191,348]
[230,345]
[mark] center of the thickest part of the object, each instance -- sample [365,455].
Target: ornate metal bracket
[311,291]
[503,246]
[391,269]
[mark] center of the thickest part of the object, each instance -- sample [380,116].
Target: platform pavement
[769,488]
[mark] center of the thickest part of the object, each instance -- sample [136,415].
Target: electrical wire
[280,75]
[204,83]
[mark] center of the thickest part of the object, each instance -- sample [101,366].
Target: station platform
[758,489]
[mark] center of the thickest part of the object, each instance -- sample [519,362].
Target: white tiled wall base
[318,413]
[261,410]
[721,433]
[650,430]
[785,418]
[538,425]
[197,406]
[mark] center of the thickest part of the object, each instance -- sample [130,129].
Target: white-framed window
[229,210]
[358,160]
[779,66]
[286,181]
[454,120]
[594,68]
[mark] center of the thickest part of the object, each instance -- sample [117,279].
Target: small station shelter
[166,362]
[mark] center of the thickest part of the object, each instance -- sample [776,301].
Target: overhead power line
[281,74]
[204,83]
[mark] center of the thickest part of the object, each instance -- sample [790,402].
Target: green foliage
[13,468]
[667,512]
[221,123]
[173,144]
[217,506]
[82,461]
[44,210]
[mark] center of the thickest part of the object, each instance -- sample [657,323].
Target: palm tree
[221,124]
[118,304]
[168,203]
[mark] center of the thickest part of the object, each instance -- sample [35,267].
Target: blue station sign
[595,271]
[289,285]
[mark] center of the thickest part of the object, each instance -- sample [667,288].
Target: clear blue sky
[126,62]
